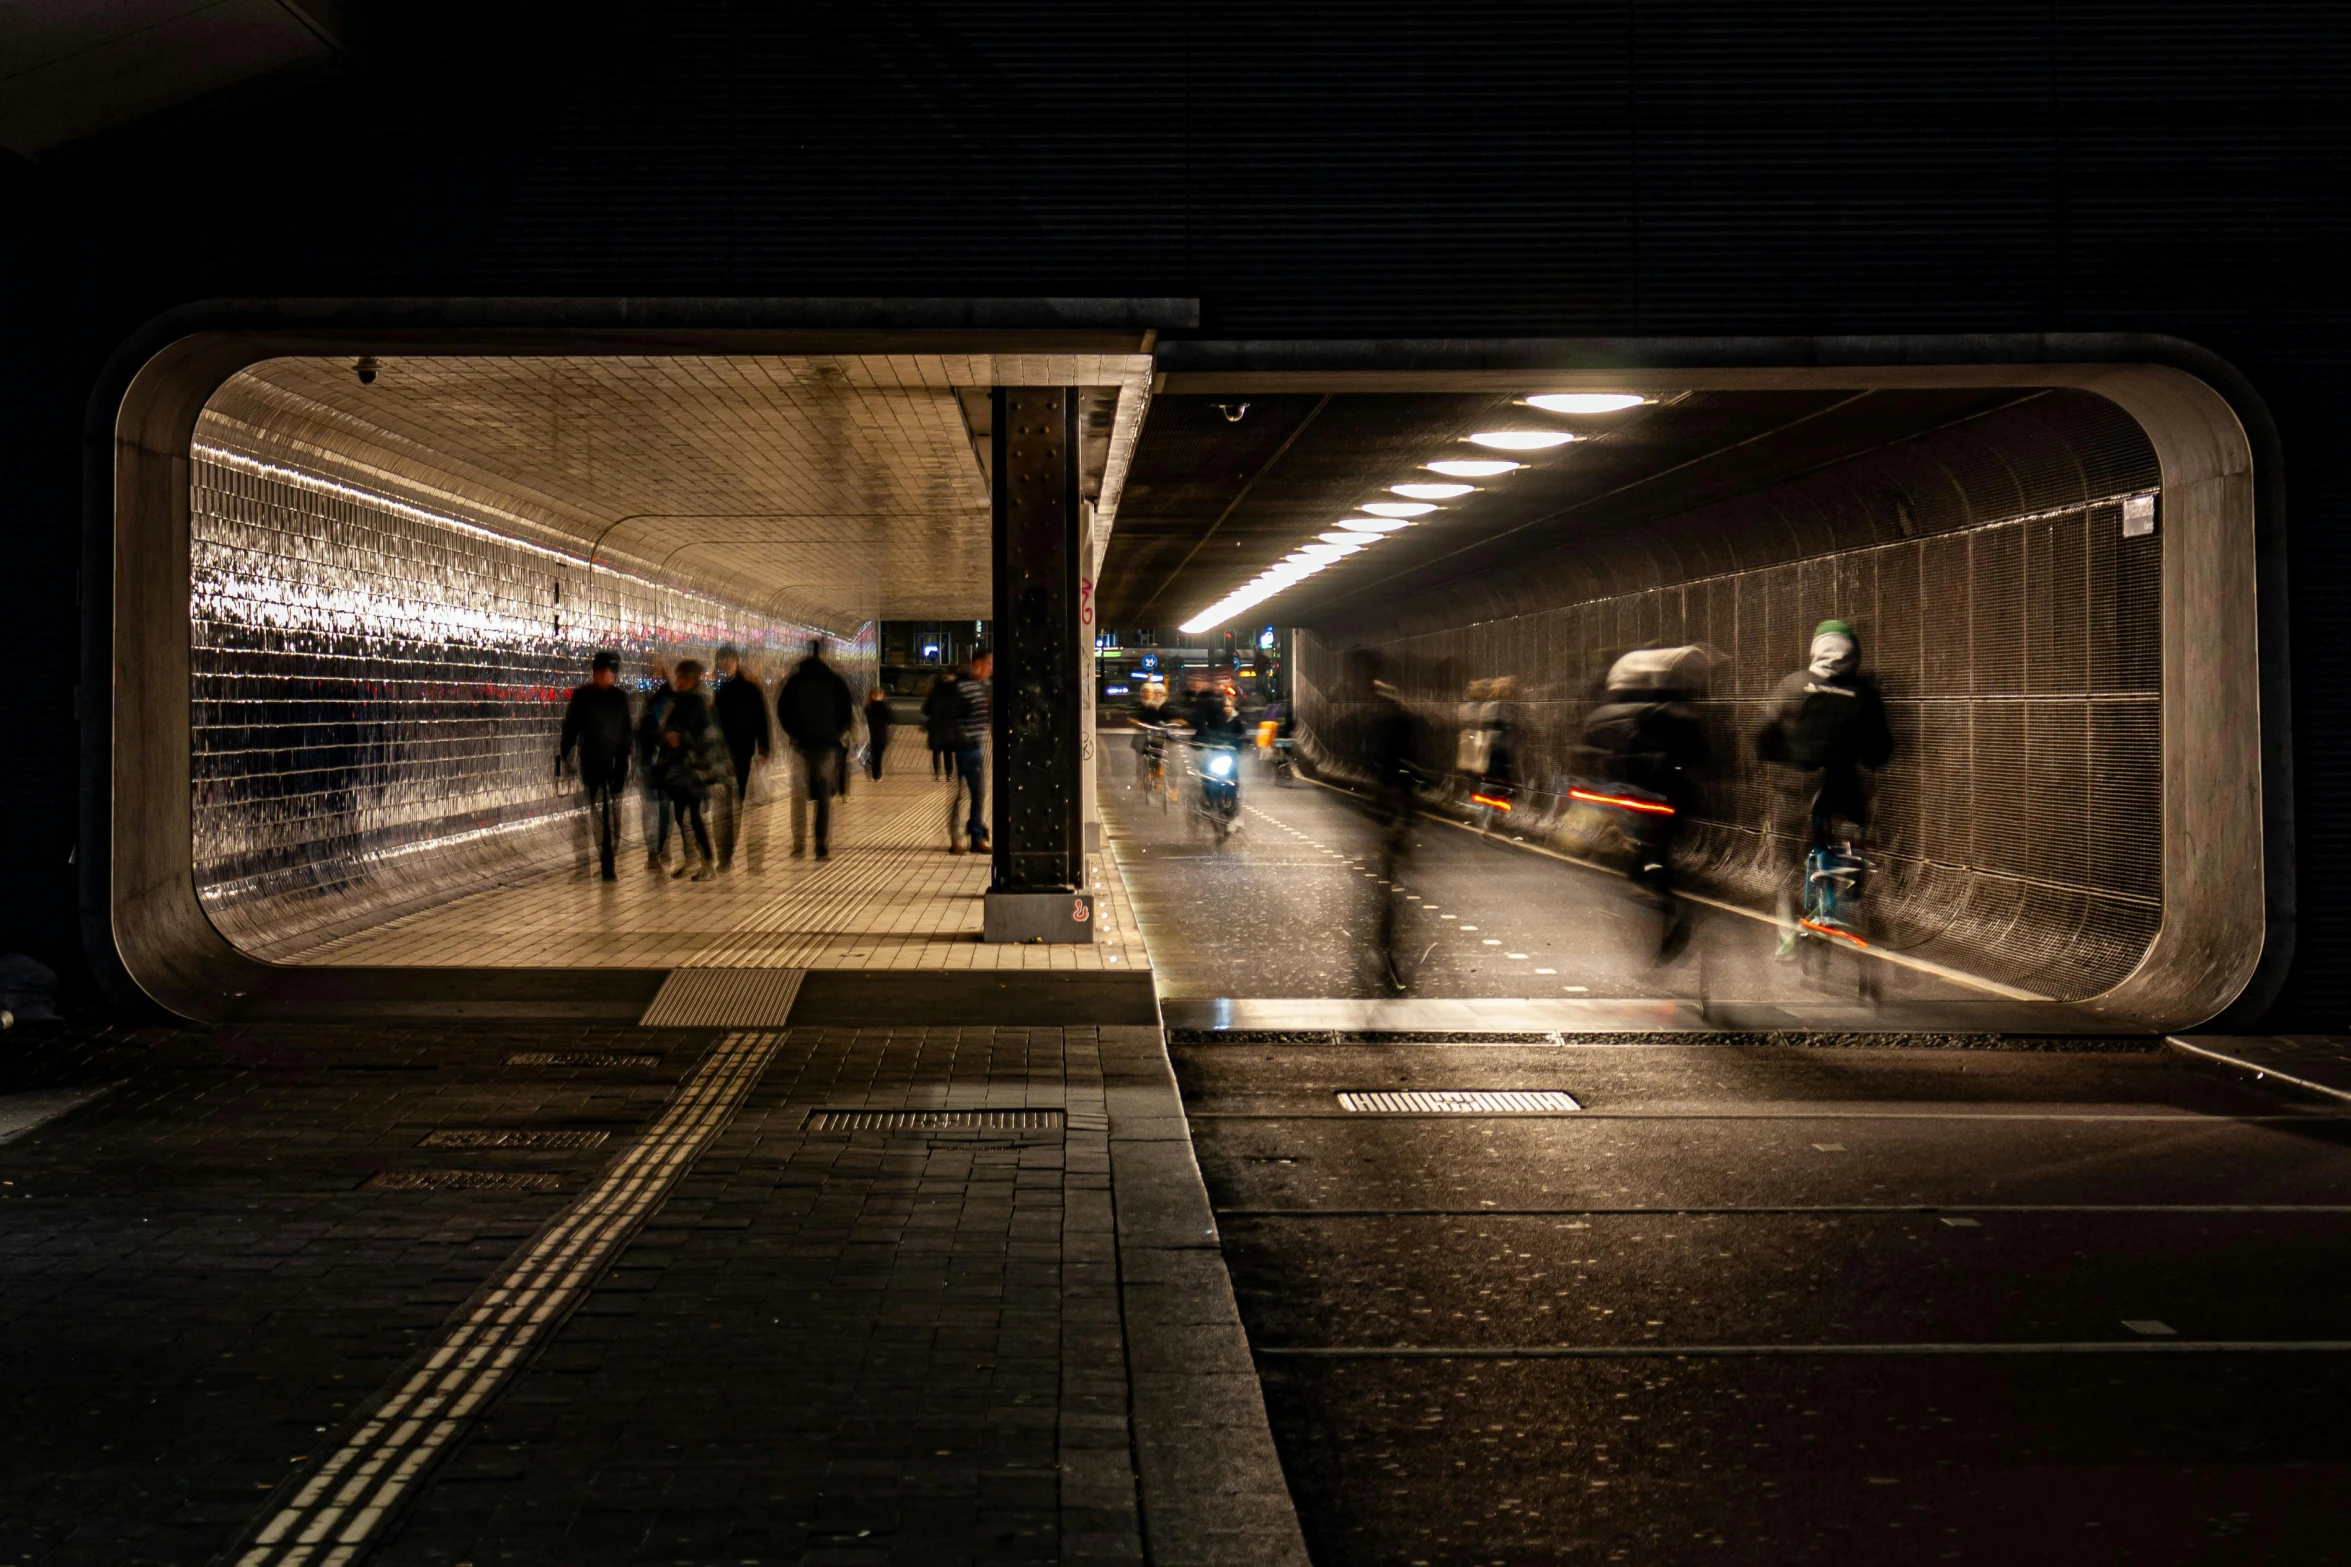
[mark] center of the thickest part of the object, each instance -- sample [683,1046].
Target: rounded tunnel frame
[2226,937]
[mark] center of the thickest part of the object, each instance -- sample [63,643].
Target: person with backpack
[597,725]
[814,711]
[1827,732]
[1647,749]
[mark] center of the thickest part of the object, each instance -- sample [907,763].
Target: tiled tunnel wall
[2010,618]
[378,686]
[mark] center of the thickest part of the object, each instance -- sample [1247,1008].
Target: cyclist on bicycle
[1647,748]
[1151,742]
[1827,731]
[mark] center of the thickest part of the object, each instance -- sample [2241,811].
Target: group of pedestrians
[695,749]
[957,712]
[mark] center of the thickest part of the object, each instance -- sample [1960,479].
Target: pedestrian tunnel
[2055,573]
[355,582]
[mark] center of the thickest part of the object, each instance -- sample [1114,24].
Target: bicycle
[1835,875]
[1151,767]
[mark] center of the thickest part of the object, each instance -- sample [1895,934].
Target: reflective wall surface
[378,683]
[2009,613]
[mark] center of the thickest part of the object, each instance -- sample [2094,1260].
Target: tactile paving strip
[1462,1101]
[934,1121]
[724,998]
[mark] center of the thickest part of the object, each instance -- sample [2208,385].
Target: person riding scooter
[1217,740]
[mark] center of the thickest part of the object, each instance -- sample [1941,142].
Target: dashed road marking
[336,1513]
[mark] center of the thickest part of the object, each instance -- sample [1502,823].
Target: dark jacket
[649,724]
[1640,742]
[972,714]
[1826,725]
[597,723]
[813,707]
[742,715]
[689,745]
[878,719]
[941,712]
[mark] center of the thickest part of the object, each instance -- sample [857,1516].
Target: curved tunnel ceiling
[833,489]
[1213,500]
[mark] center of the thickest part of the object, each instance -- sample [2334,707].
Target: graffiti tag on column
[1085,601]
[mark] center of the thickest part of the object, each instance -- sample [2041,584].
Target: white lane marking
[368,1475]
[36,1107]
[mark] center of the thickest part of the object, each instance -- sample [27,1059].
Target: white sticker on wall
[2138,516]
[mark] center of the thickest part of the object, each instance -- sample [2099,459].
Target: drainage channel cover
[934,1121]
[579,1058]
[1462,1101]
[512,1139]
[463,1181]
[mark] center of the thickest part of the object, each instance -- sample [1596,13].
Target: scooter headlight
[1221,764]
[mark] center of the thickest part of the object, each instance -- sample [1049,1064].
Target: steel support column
[1037,888]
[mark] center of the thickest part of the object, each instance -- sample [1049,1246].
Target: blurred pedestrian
[1827,731]
[597,724]
[742,720]
[1648,750]
[878,719]
[814,711]
[973,718]
[658,696]
[690,746]
[938,719]
[1472,738]
[1393,748]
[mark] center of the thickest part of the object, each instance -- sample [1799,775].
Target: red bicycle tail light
[1648,807]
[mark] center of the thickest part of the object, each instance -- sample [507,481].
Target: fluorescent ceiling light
[1375,524]
[1586,402]
[1432,492]
[1520,440]
[1475,467]
[1399,508]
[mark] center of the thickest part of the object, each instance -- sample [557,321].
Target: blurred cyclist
[1647,749]
[1826,732]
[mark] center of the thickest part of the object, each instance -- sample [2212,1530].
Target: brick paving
[825,1347]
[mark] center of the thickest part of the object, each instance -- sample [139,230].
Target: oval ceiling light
[1399,508]
[1475,467]
[1586,402]
[1432,492]
[1328,552]
[1519,440]
[1349,536]
[1375,524]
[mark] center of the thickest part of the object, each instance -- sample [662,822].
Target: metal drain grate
[512,1139]
[463,1181]
[724,998]
[1462,1101]
[579,1058]
[934,1121]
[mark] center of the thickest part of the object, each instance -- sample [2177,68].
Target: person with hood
[814,711]
[690,762]
[878,719]
[597,724]
[1647,747]
[742,721]
[1827,732]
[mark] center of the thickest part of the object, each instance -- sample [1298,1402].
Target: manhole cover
[934,1121]
[579,1058]
[463,1181]
[512,1139]
[1462,1101]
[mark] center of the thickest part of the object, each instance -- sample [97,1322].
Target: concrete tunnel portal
[389,583]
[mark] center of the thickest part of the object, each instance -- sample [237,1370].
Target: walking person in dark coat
[814,711]
[938,719]
[688,740]
[877,731]
[742,719]
[659,694]
[597,725]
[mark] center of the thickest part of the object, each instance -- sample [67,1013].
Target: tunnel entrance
[2022,565]
[395,567]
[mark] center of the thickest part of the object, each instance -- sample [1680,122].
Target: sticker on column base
[1048,915]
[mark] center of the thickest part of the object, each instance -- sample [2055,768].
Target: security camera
[1232,411]
[365,370]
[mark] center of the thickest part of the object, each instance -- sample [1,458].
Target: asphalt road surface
[1289,906]
[1770,1305]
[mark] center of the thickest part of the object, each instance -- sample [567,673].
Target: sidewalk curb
[2268,1056]
[1211,1480]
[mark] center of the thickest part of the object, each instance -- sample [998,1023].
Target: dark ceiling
[1210,501]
